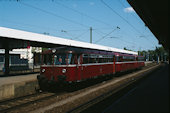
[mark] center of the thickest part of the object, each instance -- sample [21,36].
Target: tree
[154,54]
[44,49]
[127,49]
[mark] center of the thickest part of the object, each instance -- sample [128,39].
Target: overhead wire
[84,14]
[132,15]
[76,37]
[118,38]
[122,18]
[53,14]
[30,25]
[107,34]
[125,7]
[42,10]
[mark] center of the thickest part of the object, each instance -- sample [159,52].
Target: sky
[114,22]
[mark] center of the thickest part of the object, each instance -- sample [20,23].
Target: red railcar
[125,62]
[69,64]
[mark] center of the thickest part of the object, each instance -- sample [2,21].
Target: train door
[114,66]
[78,67]
[81,67]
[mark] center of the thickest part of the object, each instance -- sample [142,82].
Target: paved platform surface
[16,79]
[15,86]
[150,95]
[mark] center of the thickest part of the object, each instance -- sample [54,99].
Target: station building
[21,57]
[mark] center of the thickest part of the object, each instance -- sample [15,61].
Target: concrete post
[90,34]
[7,60]
[158,59]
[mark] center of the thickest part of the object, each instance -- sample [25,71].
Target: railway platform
[149,95]
[16,86]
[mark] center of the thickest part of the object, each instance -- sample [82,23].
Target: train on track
[71,65]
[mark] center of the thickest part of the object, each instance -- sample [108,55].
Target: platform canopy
[155,15]
[21,39]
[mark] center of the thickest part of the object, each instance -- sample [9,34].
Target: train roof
[41,38]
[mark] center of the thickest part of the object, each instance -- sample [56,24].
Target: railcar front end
[58,67]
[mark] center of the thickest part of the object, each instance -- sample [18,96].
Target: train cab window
[69,58]
[78,59]
[65,59]
[47,59]
[60,59]
[72,59]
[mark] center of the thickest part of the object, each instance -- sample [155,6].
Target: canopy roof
[155,15]
[10,36]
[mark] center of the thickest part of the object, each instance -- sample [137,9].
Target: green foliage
[127,49]
[154,54]
[44,49]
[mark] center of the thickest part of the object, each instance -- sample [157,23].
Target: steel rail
[116,93]
[8,105]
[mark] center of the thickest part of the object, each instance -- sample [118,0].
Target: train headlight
[54,50]
[43,70]
[64,71]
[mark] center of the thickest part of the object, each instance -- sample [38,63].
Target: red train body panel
[93,70]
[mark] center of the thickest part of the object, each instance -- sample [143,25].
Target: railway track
[115,94]
[12,104]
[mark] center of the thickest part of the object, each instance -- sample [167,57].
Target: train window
[48,59]
[60,59]
[63,59]
[78,58]
[95,58]
[110,59]
[69,58]
[100,60]
[119,59]
[91,60]
[85,60]
[1,58]
[72,60]
[132,58]
[141,59]
[128,58]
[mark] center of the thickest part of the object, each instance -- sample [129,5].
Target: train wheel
[71,87]
[44,86]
